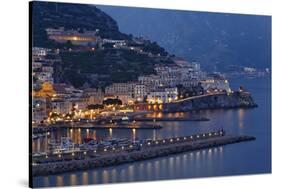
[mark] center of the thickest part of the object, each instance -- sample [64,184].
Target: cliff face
[234,100]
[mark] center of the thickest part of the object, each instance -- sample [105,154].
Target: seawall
[178,145]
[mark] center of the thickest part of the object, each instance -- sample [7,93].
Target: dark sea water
[242,158]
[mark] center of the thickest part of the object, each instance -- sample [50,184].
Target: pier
[108,126]
[88,159]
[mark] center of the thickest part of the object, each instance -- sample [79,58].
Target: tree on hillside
[95,106]
[111,101]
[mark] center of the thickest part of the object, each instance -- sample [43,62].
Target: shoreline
[135,115]
[238,99]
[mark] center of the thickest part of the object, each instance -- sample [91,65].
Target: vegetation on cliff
[104,65]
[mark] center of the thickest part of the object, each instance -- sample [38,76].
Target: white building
[113,41]
[163,95]
[117,89]
[39,51]
[39,110]
[48,69]
[249,69]
[215,85]
[196,67]
[36,65]
[190,82]
[55,31]
[93,96]
[45,77]
[62,107]
[151,81]
[175,75]
[170,75]
[79,104]
[140,91]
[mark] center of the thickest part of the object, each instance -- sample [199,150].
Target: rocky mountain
[103,65]
[217,41]
[70,16]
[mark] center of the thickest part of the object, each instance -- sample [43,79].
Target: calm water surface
[242,158]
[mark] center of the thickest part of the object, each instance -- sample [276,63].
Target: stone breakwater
[212,101]
[108,159]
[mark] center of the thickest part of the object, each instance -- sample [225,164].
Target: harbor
[108,126]
[120,151]
[109,105]
[137,121]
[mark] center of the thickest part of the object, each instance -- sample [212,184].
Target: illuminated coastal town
[117,105]
[55,102]
[102,99]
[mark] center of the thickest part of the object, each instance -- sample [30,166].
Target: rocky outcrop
[216,101]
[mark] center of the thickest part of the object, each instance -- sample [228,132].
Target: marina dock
[108,126]
[88,159]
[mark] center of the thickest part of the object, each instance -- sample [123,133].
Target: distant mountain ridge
[217,41]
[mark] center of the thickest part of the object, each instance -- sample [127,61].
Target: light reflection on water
[159,168]
[73,179]
[241,158]
[170,129]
